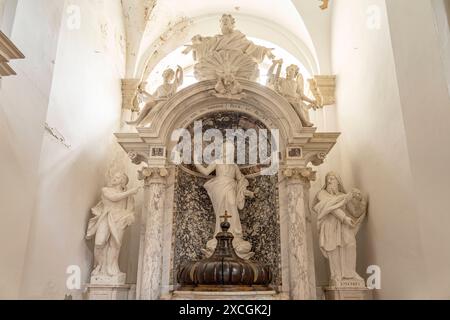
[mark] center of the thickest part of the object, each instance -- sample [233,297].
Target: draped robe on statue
[236,40]
[107,226]
[230,53]
[337,240]
[227,194]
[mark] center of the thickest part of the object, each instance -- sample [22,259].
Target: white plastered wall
[393,111]
[23,107]
[71,79]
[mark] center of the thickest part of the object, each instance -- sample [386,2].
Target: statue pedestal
[348,293]
[111,292]
[117,280]
[348,289]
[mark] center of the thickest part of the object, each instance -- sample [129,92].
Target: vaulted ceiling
[157,27]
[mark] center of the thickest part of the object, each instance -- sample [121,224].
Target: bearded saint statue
[230,50]
[340,215]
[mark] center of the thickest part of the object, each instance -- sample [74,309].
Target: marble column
[301,260]
[150,276]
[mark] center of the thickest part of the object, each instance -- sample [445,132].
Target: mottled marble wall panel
[194,221]
[194,218]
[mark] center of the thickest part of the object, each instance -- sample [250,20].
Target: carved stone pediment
[299,146]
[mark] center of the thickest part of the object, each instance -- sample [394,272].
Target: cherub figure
[172,81]
[227,86]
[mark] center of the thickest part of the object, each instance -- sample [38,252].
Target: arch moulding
[197,101]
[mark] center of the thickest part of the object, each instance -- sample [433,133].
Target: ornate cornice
[8,52]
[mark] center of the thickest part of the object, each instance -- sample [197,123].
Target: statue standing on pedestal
[172,81]
[112,215]
[340,215]
[227,191]
[292,88]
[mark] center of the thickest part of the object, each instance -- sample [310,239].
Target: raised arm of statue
[272,78]
[188,49]
[259,53]
[115,196]
[279,68]
[208,170]
[269,54]
[200,47]
[179,77]
[301,93]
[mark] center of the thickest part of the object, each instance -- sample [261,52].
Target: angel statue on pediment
[172,81]
[292,89]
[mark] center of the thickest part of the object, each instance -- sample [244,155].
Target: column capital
[153,175]
[299,175]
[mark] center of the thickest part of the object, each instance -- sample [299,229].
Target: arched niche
[193,215]
[298,148]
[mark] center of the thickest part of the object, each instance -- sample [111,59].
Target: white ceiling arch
[254,27]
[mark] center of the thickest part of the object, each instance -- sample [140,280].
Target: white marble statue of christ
[227,191]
